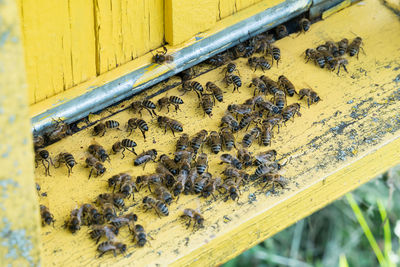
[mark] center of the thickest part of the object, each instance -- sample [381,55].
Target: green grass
[361,229]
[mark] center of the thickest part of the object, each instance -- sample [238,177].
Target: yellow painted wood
[336,8]
[225,8]
[338,144]
[19,224]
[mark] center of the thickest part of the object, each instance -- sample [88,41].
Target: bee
[38,141]
[127,188]
[157,205]
[196,216]
[238,51]
[235,80]
[137,123]
[165,122]
[239,109]
[216,91]
[192,86]
[333,48]
[118,179]
[249,137]
[183,157]
[145,157]
[232,188]
[259,85]
[60,131]
[328,56]
[109,231]
[230,122]
[343,45]
[167,101]
[281,31]
[248,118]
[191,181]
[217,60]
[162,57]
[214,141]
[198,140]
[43,156]
[127,144]
[245,157]
[212,186]
[75,221]
[127,219]
[99,152]
[274,178]
[315,56]
[338,62]
[47,217]
[231,160]
[116,199]
[272,86]
[227,138]
[38,188]
[166,175]
[67,159]
[187,74]
[202,163]
[275,53]
[183,142]
[290,111]
[304,25]
[355,46]
[266,168]
[280,100]
[232,172]
[95,165]
[201,182]
[153,179]
[163,194]
[265,157]
[91,215]
[111,246]
[169,164]
[262,41]
[274,120]
[230,68]
[249,51]
[181,179]
[138,106]
[139,235]
[266,134]
[311,95]
[207,104]
[265,105]
[101,127]
[261,62]
[284,83]
[108,211]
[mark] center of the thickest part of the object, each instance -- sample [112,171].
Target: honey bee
[167,177]
[304,25]
[239,109]
[274,120]
[137,123]
[201,182]
[281,31]
[95,165]
[60,131]
[227,138]
[145,157]
[275,53]
[98,152]
[212,186]
[232,188]
[183,157]
[338,62]
[259,85]
[284,83]
[202,163]
[272,86]
[274,178]
[181,179]
[153,179]
[214,141]
[139,235]
[235,80]
[216,91]
[91,215]
[191,181]
[232,172]
[265,157]
[43,156]
[111,246]
[169,164]
[207,103]
[230,121]
[245,157]
[198,140]
[238,51]
[290,111]
[127,144]
[262,41]
[116,199]
[162,57]
[163,194]
[311,95]
[187,74]
[108,211]
[183,142]
[165,122]
[67,159]
[355,46]
[127,188]
[261,62]
[157,205]
[265,105]
[127,219]
[230,68]
[118,180]
[267,168]
[315,56]
[343,45]
[247,119]
[47,217]
[38,141]
[196,216]
[192,86]
[217,60]
[109,231]
[249,137]
[333,48]
[280,100]
[138,106]
[231,160]
[167,101]
[75,221]
[101,127]
[266,134]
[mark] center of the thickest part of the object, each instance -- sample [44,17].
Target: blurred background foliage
[334,236]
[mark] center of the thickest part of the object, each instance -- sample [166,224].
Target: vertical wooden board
[226,8]
[83,54]
[156,20]
[242,4]
[128,25]
[117,38]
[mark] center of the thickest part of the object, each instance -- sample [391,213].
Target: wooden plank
[336,145]
[19,224]
[226,8]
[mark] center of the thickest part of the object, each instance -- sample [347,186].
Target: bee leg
[144,135]
[101,254]
[133,151]
[154,113]
[123,150]
[344,66]
[97,240]
[90,174]
[172,130]
[104,132]
[188,224]
[213,196]
[69,170]
[114,252]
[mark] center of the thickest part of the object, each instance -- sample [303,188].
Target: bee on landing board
[138,106]
[162,57]
[311,95]
[173,125]
[101,127]
[43,156]
[145,157]
[47,217]
[124,144]
[194,215]
[67,159]
[111,246]
[137,123]
[167,101]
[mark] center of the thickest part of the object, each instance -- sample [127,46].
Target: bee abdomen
[143,125]
[148,104]
[236,80]
[276,53]
[162,208]
[216,148]
[201,168]
[141,239]
[197,86]
[112,124]
[198,187]
[175,100]
[128,143]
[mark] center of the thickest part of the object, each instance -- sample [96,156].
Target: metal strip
[124,87]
